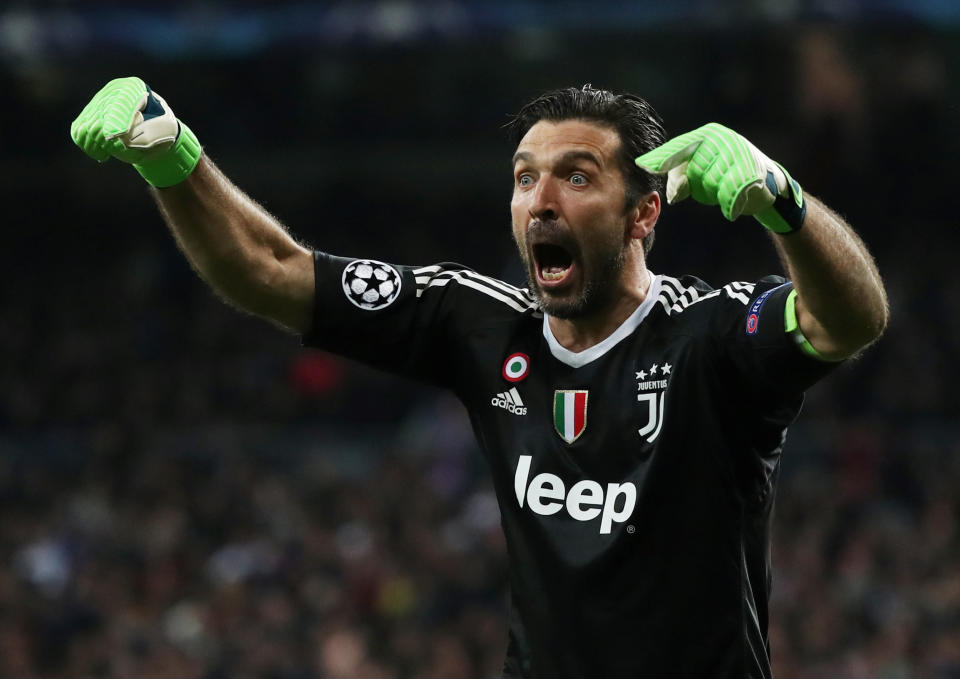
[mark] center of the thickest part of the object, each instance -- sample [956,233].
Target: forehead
[548,139]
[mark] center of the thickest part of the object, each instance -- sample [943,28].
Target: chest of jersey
[577,444]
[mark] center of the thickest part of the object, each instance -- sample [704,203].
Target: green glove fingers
[121,100]
[86,133]
[704,171]
[694,165]
[673,153]
[672,158]
[717,166]
[127,121]
[108,114]
[727,166]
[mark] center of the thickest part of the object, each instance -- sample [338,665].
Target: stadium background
[185,492]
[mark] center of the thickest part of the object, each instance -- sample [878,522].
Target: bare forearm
[242,252]
[841,302]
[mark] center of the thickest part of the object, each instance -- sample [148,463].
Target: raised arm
[241,251]
[840,305]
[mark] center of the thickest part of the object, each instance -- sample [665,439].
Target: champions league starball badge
[371,285]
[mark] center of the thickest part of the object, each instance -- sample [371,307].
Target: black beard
[600,272]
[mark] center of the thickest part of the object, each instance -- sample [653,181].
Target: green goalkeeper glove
[125,120]
[716,165]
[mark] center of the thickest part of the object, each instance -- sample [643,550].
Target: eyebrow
[566,159]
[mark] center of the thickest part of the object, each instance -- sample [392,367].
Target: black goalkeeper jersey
[635,479]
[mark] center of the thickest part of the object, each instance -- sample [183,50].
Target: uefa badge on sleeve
[371,285]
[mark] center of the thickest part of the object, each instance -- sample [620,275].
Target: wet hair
[638,125]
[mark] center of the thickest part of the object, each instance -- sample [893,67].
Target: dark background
[185,492]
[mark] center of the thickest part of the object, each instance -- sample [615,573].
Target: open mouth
[554,263]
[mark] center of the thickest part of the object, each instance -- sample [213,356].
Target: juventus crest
[651,391]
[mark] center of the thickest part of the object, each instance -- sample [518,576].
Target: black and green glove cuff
[787,213]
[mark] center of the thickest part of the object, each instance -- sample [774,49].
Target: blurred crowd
[225,565]
[185,492]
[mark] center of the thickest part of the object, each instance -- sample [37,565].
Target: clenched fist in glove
[127,121]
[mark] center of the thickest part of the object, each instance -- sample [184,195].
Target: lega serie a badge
[516,367]
[570,413]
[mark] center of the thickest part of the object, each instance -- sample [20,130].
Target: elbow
[875,322]
[844,325]
[862,333]
[283,291]
[869,321]
[881,323]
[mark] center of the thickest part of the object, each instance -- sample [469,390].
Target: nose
[543,202]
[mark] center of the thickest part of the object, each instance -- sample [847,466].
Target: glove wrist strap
[176,164]
[788,211]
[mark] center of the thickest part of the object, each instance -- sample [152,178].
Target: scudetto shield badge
[570,413]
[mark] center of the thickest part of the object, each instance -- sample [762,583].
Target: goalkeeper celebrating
[632,421]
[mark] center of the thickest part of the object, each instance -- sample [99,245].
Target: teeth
[554,274]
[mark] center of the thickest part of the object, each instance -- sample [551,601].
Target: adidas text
[510,401]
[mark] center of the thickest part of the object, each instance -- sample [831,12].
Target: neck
[578,334]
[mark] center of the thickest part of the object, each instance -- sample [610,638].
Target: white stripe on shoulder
[514,298]
[671,286]
[520,294]
[674,297]
[739,291]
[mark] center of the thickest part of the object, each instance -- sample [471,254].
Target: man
[632,422]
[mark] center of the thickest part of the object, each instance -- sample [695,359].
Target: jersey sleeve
[400,319]
[752,331]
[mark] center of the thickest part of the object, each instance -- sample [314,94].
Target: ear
[644,215]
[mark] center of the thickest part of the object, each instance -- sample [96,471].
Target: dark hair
[636,122]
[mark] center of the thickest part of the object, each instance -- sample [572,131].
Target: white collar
[577,359]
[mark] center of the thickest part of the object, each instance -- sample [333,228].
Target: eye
[578,179]
[524,180]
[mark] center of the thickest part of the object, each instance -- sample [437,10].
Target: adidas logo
[510,401]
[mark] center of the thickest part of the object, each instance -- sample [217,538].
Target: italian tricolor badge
[570,413]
